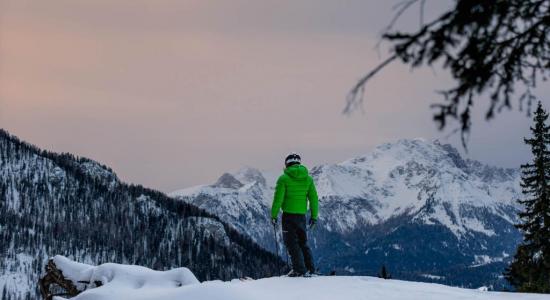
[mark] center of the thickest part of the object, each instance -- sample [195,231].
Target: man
[293,190]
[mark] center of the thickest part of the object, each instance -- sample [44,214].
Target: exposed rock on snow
[76,277]
[228,181]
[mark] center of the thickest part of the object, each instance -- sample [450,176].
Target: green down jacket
[293,190]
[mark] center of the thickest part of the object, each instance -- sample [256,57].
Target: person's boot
[293,273]
[312,274]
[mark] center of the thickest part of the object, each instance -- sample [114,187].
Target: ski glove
[312,223]
[274,222]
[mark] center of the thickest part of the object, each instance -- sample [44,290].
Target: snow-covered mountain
[415,205]
[61,204]
[241,199]
[138,283]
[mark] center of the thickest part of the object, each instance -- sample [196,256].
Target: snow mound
[107,280]
[139,283]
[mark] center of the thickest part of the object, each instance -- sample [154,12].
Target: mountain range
[416,206]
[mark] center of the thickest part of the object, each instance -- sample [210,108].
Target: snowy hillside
[61,204]
[414,205]
[403,177]
[138,283]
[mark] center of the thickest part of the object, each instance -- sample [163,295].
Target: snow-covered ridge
[138,283]
[421,195]
[395,179]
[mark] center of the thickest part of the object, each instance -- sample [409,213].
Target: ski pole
[276,240]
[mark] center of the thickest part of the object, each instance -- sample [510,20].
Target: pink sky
[174,93]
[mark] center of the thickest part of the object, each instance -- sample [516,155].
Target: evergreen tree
[384,273]
[530,269]
[492,46]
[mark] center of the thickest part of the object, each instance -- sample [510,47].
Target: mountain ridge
[62,204]
[396,191]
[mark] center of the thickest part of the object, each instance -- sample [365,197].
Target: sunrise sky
[174,93]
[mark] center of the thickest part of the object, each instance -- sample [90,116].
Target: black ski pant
[295,237]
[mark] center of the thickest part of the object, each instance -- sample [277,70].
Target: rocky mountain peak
[228,181]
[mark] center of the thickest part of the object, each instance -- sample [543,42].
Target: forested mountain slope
[60,204]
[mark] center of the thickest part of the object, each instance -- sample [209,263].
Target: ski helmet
[293,159]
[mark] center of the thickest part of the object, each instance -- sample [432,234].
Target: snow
[19,280]
[400,177]
[433,277]
[190,191]
[16,271]
[481,260]
[117,277]
[478,226]
[139,283]
[349,269]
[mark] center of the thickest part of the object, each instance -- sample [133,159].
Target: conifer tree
[530,269]
[384,273]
